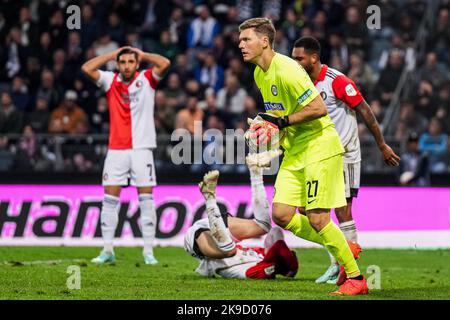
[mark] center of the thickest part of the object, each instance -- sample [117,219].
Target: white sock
[219,230]
[148,221]
[349,230]
[260,204]
[275,234]
[109,219]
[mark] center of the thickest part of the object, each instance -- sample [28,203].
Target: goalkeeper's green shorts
[317,185]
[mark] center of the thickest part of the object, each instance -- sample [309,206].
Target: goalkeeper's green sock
[335,242]
[300,226]
[331,237]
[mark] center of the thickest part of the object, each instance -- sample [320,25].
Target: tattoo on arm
[370,121]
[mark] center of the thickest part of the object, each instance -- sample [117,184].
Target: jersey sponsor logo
[324,96]
[130,98]
[273,106]
[304,96]
[125,98]
[350,90]
[134,96]
[274,90]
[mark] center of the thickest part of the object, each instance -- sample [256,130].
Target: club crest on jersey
[323,94]
[139,83]
[274,89]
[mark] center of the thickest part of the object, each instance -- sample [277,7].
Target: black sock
[360,277]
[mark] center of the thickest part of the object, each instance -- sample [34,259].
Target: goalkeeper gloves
[260,132]
[280,122]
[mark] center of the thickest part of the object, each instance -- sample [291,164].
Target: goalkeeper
[213,240]
[310,175]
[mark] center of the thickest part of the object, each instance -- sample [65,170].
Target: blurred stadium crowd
[53,118]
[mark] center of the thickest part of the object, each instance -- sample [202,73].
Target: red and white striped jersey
[131,109]
[341,96]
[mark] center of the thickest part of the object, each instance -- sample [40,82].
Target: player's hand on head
[119,50]
[139,52]
[389,156]
[122,48]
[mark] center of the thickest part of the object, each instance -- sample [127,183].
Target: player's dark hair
[127,51]
[310,44]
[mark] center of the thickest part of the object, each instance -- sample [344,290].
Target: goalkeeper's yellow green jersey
[286,89]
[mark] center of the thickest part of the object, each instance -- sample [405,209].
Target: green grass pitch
[41,273]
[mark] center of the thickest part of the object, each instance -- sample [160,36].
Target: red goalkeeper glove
[261,132]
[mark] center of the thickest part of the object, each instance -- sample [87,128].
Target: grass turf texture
[41,273]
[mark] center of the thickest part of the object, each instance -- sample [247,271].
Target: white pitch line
[39,262]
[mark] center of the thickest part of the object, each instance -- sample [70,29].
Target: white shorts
[352,177]
[134,164]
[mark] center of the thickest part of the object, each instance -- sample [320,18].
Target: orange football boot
[356,250]
[352,287]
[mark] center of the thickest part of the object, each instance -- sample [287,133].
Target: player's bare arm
[90,67]
[389,156]
[161,64]
[314,110]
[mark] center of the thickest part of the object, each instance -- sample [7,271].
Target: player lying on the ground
[213,240]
